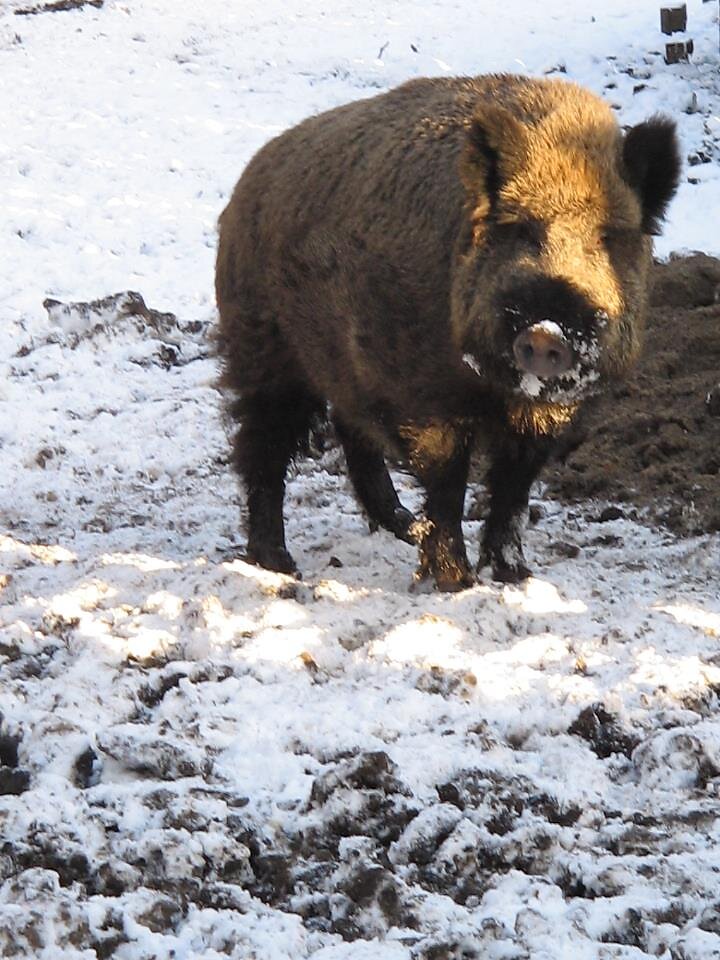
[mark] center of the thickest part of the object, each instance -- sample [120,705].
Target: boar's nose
[544,352]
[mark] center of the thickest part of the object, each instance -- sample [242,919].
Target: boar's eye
[529,232]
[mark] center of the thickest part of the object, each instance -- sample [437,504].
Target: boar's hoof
[272,558]
[442,557]
[505,573]
[400,523]
[504,569]
[446,580]
[403,521]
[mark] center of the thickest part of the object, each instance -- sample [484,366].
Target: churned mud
[654,440]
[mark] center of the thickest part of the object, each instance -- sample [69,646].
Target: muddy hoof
[515,574]
[464,582]
[504,570]
[448,579]
[399,524]
[442,557]
[276,559]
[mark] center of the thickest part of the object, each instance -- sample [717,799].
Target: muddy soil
[654,441]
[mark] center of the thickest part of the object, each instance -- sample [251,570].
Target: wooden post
[673,19]
[679,51]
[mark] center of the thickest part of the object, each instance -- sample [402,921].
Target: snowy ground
[199,759]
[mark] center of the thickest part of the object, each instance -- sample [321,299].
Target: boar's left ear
[652,164]
[495,147]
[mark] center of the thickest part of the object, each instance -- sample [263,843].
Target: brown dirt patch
[654,440]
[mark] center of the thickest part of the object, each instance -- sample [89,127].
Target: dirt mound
[654,440]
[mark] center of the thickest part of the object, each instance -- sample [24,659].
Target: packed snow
[202,759]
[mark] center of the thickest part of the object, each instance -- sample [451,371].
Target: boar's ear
[495,146]
[652,164]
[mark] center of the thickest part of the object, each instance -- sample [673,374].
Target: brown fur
[543,419]
[381,258]
[564,170]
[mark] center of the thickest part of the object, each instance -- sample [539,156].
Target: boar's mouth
[570,387]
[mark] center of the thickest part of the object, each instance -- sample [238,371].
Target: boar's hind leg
[272,427]
[372,483]
[440,458]
[514,468]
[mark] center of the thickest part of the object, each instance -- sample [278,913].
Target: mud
[654,441]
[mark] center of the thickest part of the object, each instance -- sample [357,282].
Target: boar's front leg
[516,463]
[439,455]
[372,483]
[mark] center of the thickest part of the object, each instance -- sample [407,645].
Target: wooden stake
[673,19]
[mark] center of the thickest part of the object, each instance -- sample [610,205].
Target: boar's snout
[550,329]
[543,351]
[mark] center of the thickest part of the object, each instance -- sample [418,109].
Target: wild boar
[457,260]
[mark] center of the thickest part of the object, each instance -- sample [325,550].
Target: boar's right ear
[494,147]
[652,161]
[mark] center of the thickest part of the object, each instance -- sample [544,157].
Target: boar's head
[550,279]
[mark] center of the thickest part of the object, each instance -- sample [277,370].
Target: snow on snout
[551,328]
[574,383]
[470,361]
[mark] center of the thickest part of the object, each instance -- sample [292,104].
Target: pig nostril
[542,352]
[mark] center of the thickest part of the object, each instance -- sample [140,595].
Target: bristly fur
[541,419]
[369,250]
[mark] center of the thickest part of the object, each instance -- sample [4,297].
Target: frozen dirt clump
[343,881]
[486,824]
[679,758]
[153,337]
[39,915]
[654,439]
[331,865]
[603,732]
[13,780]
[136,749]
